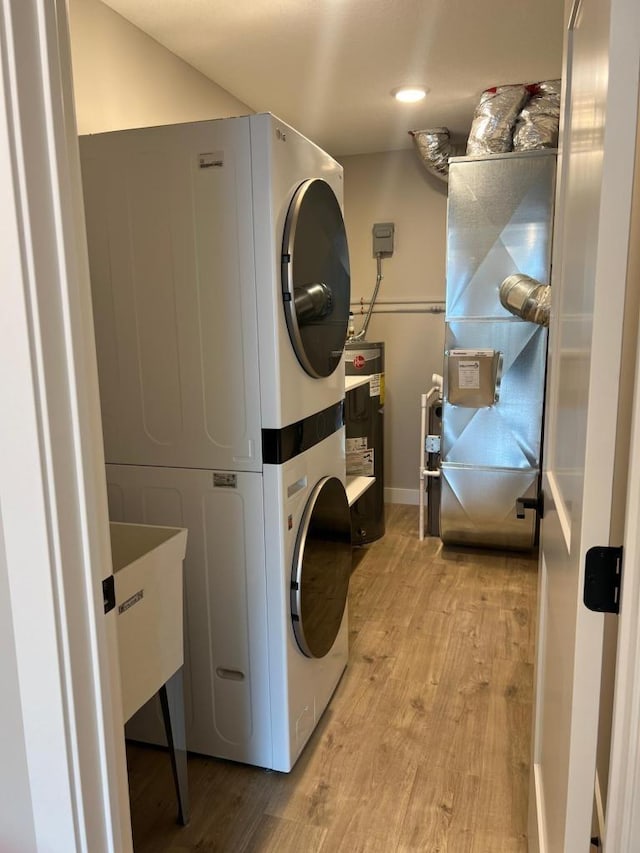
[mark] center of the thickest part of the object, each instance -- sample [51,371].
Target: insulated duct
[494,119]
[522,117]
[526,298]
[537,124]
[434,148]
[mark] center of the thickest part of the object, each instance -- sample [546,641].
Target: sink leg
[172,702]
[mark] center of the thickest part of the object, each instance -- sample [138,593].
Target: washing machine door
[321,568]
[316,282]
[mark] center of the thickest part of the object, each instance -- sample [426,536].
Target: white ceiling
[327,66]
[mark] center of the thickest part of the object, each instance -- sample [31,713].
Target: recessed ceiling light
[409,94]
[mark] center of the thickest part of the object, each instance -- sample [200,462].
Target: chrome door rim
[291,224]
[297,567]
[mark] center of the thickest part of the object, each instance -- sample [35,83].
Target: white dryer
[220,280]
[302,266]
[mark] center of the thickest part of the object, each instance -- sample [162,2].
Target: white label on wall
[374,385]
[469,374]
[353,445]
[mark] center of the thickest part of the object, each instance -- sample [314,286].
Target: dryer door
[316,283]
[321,568]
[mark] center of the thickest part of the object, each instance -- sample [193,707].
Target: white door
[63,781]
[590,262]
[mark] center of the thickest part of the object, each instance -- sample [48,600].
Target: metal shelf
[351,382]
[357,486]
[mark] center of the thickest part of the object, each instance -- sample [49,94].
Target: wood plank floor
[425,746]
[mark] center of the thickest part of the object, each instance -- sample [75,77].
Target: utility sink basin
[147,568]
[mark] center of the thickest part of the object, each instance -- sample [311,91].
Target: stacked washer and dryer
[220,279]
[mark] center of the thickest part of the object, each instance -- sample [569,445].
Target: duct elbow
[434,149]
[526,298]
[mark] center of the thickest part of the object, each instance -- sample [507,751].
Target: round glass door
[316,282]
[321,568]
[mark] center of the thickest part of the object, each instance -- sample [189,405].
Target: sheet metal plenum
[500,213]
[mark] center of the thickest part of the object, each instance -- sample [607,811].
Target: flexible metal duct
[313,302]
[526,298]
[434,148]
[537,124]
[494,119]
[516,117]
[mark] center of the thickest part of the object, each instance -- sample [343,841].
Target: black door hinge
[602,578]
[108,593]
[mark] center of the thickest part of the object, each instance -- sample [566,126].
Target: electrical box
[383,238]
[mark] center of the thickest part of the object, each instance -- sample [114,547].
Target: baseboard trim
[402,496]
[599,811]
[539,844]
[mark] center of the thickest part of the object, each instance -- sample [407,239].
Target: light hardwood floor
[425,745]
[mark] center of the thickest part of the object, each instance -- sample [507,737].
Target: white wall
[123,78]
[394,186]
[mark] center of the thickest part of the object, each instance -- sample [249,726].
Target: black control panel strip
[280,445]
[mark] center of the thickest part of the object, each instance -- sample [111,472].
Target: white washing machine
[267,572]
[220,282]
[308,565]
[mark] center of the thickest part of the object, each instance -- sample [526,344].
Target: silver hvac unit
[500,212]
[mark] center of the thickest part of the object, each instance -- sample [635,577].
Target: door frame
[622,822]
[81,759]
[54,536]
[624,775]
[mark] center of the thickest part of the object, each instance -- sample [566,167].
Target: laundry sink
[147,567]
